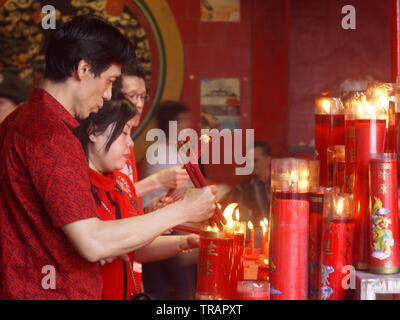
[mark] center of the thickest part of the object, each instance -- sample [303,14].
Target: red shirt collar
[46,99]
[100,181]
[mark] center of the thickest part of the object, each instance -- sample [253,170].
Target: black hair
[265,146]
[132,70]
[87,38]
[117,112]
[168,111]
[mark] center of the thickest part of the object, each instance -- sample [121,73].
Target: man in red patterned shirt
[50,236]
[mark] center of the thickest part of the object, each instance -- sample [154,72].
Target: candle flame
[219,205]
[237,214]
[212,229]
[339,207]
[266,222]
[263,226]
[293,177]
[250,225]
[326,104]
[228,212]
[266,261]
[229,222]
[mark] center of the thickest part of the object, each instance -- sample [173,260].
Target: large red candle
[215,265]
[384,235]
[316,198]
[236,273]
[289,229]
[370,138]
[329,131]
[336,245]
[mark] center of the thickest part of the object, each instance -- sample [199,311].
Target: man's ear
[83,70]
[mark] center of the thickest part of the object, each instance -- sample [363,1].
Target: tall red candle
[384,226]
[336,245]
[215,265]
[370,138]
[289,229]
[316,198]
[329,130]
[240,241]
[236,273]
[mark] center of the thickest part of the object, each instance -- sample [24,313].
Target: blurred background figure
[167,111]
[174,278]
[253,194]
[13,91]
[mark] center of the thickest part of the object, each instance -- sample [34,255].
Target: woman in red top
[106,140]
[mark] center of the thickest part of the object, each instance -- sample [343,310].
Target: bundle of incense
[193,156]
[170,198]
[192,168]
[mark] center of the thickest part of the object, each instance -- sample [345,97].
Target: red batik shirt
[44,184]
[116,199]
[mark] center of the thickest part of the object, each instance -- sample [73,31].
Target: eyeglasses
[137,97]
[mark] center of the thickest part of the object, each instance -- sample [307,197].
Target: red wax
[215,267]
[237,266]
[252,241]
[329,131]
[398,139]
[340,175]
[336,247]
[384,226]
[263,272]
[370,138]
[350,155]
[288,246]
[397,132]
[391,137]
[314,243]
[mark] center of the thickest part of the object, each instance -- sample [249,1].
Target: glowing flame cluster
[374,104]
[299,179]
[228,214]
[329,105]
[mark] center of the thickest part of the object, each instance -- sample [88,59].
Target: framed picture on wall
[220,10]
[220,103]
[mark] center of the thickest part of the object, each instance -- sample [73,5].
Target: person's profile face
[94,90]
[134,89]
[262,165]
[118,153]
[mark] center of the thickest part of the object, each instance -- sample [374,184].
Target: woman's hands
[172,178]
